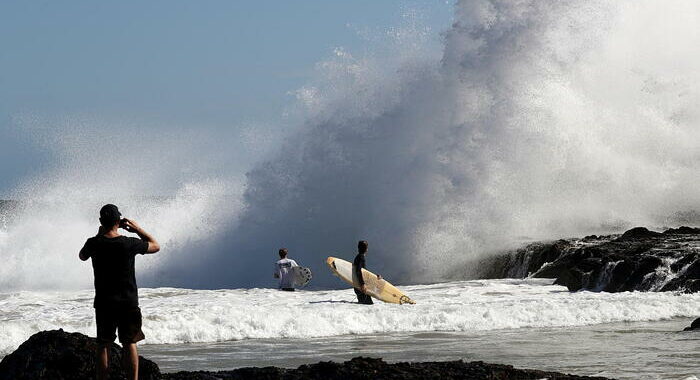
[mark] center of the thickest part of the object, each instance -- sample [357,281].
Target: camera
[122,223]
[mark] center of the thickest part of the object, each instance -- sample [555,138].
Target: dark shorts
[126,320]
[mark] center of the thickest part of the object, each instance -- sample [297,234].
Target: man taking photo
[116,294]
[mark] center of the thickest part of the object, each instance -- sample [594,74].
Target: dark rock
[638,233]
[688,279]
[546,254]
[369,368]
[683,230]
[58,355]
[683,262]
[573,279]
[683,285]
[693,270]
[691,286]
[694,326]
[639,259]
[644,266]
[521,263]
[619,276]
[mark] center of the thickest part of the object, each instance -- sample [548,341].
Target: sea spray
[159,185]
[538,120]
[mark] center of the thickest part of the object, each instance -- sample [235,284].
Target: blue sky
[209,65]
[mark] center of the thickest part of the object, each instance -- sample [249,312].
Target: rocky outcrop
[683,231]
[638,233]
[695,326]
[639,259]
[58,355]
[368,368]
[525,261]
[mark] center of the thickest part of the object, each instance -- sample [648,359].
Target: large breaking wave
[537,120]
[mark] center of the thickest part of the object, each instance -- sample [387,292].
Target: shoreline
[57,355]
[373,368]
[544,348]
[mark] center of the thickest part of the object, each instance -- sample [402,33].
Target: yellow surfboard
[379,289]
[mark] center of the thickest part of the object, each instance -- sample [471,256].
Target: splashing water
[536,119]
[188,316]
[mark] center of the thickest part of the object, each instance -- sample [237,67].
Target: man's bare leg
[102,362]
[130,360]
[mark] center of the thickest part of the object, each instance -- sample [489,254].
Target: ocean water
[519,121]
[623,350]
[526,322]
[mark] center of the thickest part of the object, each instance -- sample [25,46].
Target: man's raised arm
[153,245]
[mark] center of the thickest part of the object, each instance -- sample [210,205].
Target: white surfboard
[302,276]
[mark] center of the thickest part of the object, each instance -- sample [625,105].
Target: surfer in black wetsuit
[357,265]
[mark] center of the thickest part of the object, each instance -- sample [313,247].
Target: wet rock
[683,262]
[369,368]
[523,262]
[639,259]
[621,273]
[59,355]
[642,268]
[574,279]
[694,326]
[683,230]
[688,279]
[638,233]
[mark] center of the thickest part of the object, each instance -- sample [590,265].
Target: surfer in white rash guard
[283,271]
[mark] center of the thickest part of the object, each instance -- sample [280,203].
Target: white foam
[182,315]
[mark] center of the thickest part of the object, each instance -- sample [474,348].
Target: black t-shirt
[113,266]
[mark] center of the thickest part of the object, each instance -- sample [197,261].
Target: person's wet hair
[283,252]
[362,246]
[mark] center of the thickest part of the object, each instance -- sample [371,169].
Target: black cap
[109,215]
